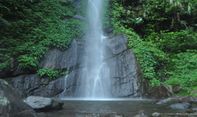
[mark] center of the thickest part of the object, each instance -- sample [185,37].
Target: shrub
[50,73]
[27,62]
[174,42]
[183,71]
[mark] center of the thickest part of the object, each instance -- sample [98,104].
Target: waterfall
[95,76]
[102,67]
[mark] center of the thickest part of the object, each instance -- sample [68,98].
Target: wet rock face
[124,71]
[58,59]
[124,75]
[33,85]
[117,44]
[11,105]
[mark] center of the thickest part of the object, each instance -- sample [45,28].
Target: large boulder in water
[43,103]
[11,104]
[180,106]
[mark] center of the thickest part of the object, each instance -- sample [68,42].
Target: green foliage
[174,42]
[47,72]
[4,62]
[170,15]
[4,65]
[166,50]
[51,73]
[150,16]
[34,26]
[27,62]
[183,70]
[148,55]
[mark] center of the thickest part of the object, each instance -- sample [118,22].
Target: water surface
[109,108]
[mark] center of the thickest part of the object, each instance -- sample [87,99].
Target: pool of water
[108,108]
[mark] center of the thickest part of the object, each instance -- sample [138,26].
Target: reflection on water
[106,108]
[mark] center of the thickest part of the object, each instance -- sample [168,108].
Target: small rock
[79,17]
[194,109]
[41,115]
[189,111]
[161,91]
[175,100]
[141,114]
[180,106]
[176,89]
[156,114]
[42,103]
[185,99]
[164,101]
[194,100]
[118,116]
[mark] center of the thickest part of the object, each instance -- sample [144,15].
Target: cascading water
[95,76]
[103,68]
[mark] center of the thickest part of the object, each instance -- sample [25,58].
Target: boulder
[194,100]
[11,104]
[161,91]
[171,100]
[181,114]
[194,109]
[180,106]
[141,114]
[167,100]
[156,114]
[42,103]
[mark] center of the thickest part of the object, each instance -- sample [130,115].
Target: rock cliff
[124,71]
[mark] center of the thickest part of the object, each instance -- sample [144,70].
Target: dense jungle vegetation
[162,33]
[29,28]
